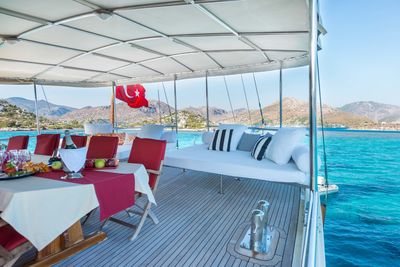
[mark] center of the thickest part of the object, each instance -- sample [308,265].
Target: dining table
[47,210]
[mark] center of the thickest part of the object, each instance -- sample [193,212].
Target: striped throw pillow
[222,140]
[260,147]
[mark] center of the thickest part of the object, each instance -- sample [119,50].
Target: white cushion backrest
[169,136]
[152,131]
[301,156]
[283,143]
[238,131]
[207,137]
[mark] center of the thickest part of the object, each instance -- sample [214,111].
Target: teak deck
[197,224]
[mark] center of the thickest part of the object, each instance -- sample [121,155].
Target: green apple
[99,163]
[56,165]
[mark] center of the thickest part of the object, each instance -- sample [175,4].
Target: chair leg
[87,216]
[151,213]
[103,224]
[221,188]
[142,220]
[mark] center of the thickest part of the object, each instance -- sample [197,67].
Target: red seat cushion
[18,142]
[46,144]
[150,153]
[102,147]
[9,238]
[79,141]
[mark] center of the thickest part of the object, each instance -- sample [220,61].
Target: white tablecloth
[42,209]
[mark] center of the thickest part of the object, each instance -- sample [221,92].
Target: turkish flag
[134,95]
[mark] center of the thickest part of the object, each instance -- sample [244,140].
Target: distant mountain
[45,109]
[378,112]
[295,113]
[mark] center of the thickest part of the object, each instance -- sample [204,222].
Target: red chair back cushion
[9,238]
[46,144]
[18,142]
[79,141]
[150,153]
[102,147]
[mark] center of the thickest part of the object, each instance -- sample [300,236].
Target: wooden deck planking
[196,223]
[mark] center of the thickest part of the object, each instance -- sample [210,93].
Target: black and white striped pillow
[222,140]
[260,147]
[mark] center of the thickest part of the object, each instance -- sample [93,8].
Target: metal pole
[245,97]
[258,98]
[176,113]
[312,96]
[229,98]
[114,108]
[36,109]
[280,96]
[159,104]
[207,105]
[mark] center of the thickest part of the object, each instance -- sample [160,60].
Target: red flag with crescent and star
[134,95]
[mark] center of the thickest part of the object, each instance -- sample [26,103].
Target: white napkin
[74,159]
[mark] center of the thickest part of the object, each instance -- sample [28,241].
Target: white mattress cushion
[207,137]
[301,156]
[237,164]
[283,143]
[169,136]
[152,131]
[238,131]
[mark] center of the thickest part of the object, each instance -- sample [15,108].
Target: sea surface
[362,226]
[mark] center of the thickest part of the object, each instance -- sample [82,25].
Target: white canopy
[97,42]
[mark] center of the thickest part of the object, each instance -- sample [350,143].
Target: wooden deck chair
[18,142]
[47,144]
[150,153]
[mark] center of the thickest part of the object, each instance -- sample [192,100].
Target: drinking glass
[3,157]
[14,158]
[24,155]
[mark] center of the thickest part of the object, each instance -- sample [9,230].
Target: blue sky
[359,61]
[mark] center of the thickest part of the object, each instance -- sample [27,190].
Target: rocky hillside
[295,112]
[45,109]
[13,118]
[377,112]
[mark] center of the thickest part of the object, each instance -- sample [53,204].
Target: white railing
[313,253]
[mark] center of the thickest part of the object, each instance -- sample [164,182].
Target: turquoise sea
[362,226]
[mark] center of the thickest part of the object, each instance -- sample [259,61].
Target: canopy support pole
[245,97]
[280,96]
[207,105]
[113,112]
[229,99]
[159,104]
[258,98]
[312,96]
[36,108]
[166,99]
[176,113]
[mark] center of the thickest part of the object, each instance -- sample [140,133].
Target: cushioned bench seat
[235,163]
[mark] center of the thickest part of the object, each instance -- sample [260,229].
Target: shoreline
[328,129]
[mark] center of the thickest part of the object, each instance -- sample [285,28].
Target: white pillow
[207,137]
[283,143]
[238,131]
[169,136]
[152,131]
[301,156]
